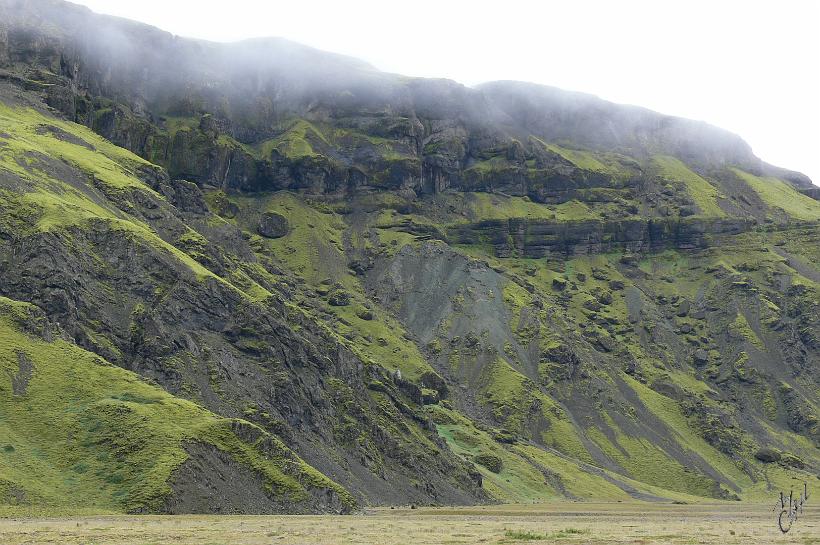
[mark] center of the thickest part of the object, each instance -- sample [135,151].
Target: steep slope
[80,433]
[115,269]
[426,292]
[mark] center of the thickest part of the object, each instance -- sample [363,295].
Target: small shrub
[573,531]
[490,461]
[524,536]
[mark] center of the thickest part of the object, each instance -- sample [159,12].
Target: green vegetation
[740,328]
[669,412]
[518,535]
[488,167]
[486,206]
[617,166]
[705,195]
[85,433]
[518,481]
[174,124]
[602,330]
[296,142]
[521,479]
[643,459]
[582,159]
[781,196]
[32,135]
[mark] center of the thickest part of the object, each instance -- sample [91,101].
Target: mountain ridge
[321,72]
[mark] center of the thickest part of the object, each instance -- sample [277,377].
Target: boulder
[433,381]
[604,297]
[767,455]
[592,304]
[339,298]
[629,260]
[273,225]
[599,274]
[701,357]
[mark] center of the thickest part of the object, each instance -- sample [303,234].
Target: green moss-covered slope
[432,294]
[80,433]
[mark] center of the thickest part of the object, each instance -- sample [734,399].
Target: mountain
[260,278]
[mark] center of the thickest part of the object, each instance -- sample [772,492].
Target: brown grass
[570,523]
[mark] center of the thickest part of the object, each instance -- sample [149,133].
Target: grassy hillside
[567,323]
[81,434]
[781,196]
[701,191]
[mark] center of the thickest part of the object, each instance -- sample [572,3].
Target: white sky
[749,66]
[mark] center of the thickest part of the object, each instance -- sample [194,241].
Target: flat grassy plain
[569,522]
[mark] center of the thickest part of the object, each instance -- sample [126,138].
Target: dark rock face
[358,128]
[339,298]
[272,225]
[20,381]
[237,353]
[211,482]
[536,239]
[768,455]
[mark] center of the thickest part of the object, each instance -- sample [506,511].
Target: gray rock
[592,305]
[604,297]
[616,285]
[339,298]
[767,455]
[273,225]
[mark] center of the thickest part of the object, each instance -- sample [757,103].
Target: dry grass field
[570,523]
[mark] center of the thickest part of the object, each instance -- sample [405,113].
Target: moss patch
[780,195]
[88,434]
[701,191]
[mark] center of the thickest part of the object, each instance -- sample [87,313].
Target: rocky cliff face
[371,289]
[268,114]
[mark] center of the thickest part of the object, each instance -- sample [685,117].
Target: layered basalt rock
[537,239]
